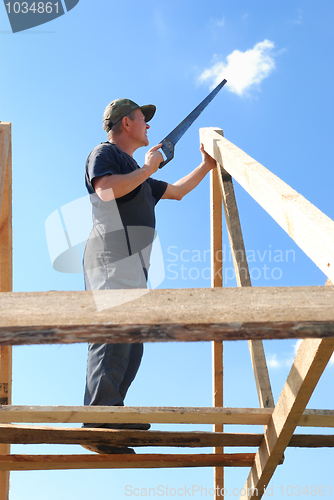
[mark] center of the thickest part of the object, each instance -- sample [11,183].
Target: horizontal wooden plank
[140,414]
[210,314]
[27,434]
[142,461]
[160,415]
[317,418]
[311,441]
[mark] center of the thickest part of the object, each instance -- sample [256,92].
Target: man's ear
[126,122]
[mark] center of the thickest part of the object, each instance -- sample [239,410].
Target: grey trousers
[110,370]
[112,367]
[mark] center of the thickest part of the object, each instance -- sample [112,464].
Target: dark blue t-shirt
[107,158]
[121,228]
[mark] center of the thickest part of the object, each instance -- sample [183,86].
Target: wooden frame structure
[182,315]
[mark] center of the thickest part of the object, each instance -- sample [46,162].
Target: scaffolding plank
[142,461]
[311,360]
[25,434]
[160,415]
[28,434]
[311,229]
[317,418]
[168,315]
[121,414]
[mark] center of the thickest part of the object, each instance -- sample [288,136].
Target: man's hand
[182,187]
[109,187]
[207,159]
[153,158]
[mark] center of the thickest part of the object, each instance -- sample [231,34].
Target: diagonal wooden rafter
[311,229]
[311,360]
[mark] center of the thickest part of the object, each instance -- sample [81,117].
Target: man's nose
[147,126]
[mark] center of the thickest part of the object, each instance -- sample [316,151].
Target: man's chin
[144,143]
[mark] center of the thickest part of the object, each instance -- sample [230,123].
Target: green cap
[119,108]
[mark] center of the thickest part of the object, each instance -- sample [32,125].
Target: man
[117,254]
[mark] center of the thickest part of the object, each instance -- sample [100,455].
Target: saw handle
[168,150]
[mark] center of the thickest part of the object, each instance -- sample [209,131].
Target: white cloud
[287,359]
[242,69]
[297,345]
[160,24]
[273,362]
[220,22]
[298,19]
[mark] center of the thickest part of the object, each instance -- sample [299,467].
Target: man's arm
[182,187]
[109,187]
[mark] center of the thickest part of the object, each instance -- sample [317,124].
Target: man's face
[139,129]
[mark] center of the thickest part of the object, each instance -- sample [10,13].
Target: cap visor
[148,111]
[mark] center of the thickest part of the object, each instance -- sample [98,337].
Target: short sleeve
[158,188]
[101,161]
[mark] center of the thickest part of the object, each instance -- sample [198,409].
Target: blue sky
[56,80]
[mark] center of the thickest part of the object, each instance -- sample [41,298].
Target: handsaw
[168,143]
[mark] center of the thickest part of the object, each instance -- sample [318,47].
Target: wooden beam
[6,267]
[168,315]
[233,225]
[160,415]
[243,279]
[216,231]
[120,414]
[217,281]
[311,441]
[317,418]
[312,230]
[27,434]
[150,461]
[311,360]
[6,276]
[5,148]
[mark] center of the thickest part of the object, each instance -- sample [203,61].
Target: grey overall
[117,257]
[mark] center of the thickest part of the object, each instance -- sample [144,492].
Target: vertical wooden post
[6,283]
[217,281]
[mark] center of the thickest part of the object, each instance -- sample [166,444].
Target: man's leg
[136,355]
[110,370]
[106,367]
